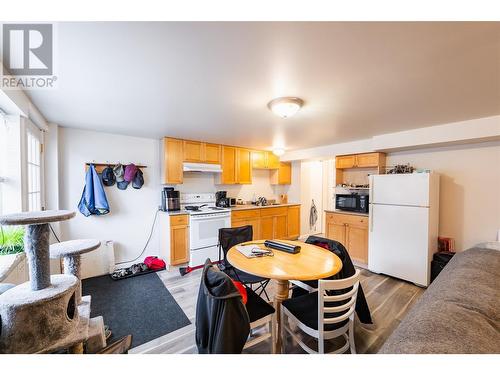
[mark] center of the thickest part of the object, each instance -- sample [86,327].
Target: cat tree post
[71,252]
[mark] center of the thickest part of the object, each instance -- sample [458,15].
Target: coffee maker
[221,199]
[170,199]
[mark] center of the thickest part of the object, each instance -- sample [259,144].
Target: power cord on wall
[54,233]
[126,261]
[147,242]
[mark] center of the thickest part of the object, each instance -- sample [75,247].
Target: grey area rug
[140,306]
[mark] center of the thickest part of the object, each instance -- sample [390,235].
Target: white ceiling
[212,81]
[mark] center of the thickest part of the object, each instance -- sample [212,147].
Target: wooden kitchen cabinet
[244,166]
[264,160]
[293,223]
[370,160]
[282,175]
[281,226]
[259,160]
[273,162]
[346,161]
[336,232]
[357,242]
[247,217]
[201,152]
[173,155]
[351,231]
[179,239]
[212,153]
[228,175]
[267,228]
[193,151]
[270,223]
[274,222]
[236,166]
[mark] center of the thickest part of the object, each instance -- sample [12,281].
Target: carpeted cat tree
[47,313]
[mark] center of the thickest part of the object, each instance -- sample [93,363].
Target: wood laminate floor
[389,300]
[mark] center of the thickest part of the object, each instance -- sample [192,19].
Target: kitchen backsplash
[205,183]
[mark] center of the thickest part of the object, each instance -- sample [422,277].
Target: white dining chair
[260,314]
[325,314]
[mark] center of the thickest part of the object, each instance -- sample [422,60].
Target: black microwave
[352,202]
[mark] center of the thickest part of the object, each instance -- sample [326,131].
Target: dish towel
[93,201]
[313,216]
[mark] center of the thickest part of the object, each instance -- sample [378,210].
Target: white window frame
[31,129]
[2,178]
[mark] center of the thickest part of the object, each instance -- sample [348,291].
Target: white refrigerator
[403,225]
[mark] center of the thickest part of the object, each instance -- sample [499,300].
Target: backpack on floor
[154,263]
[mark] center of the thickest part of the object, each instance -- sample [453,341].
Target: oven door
[204,229]
[346,202]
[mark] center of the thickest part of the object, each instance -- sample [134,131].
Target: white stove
[199,204]
[205,220]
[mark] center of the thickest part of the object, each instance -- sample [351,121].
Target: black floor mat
[140,306]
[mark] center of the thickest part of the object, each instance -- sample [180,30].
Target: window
[34,168]
[2,147]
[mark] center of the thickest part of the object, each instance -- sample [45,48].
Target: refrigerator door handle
[370,218]
[370,191]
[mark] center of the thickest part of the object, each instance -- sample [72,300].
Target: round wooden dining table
[311,263]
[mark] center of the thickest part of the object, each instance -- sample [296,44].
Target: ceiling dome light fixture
[278,151]
[286,106]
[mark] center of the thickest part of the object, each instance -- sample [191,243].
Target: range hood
[202,167]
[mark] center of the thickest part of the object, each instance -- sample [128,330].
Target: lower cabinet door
[255,223]
[179,245]
[293,222]
[267,228]
[336,232]
[280,227]
[357,243]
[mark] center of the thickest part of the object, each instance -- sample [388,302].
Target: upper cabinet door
[172,161]
[264,160]
[228,175]
[347,161]
[259,159]
[282,175]
[244,166]
[193,151]
[367,160]
[273,162]
[212,153]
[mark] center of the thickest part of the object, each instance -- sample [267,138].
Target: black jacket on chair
[222,322]
[362,309]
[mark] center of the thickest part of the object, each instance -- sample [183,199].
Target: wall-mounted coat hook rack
[100,166]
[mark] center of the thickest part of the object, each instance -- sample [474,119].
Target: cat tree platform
[70,252]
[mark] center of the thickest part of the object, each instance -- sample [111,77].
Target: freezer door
[398,242]
[400,189]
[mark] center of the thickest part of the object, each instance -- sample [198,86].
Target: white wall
[311,188]
[131,211]
[469,189]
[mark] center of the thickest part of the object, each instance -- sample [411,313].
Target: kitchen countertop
[347,212]
[254,207]
[235,208]
[174,213]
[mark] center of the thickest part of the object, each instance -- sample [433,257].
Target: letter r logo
[27,49]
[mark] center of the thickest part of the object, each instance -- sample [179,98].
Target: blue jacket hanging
[93,201]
